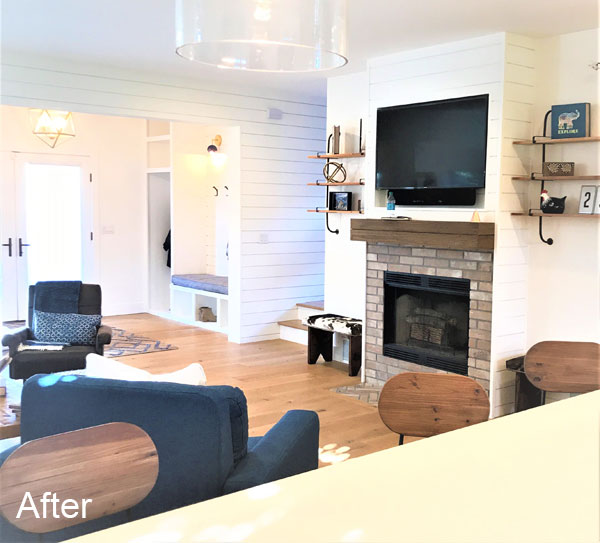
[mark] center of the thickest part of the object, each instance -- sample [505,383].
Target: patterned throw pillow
[70,328]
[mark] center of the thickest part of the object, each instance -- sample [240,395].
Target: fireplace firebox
[426,320]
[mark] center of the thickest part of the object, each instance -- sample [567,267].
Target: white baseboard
[109,310]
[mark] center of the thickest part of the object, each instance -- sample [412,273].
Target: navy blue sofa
[200,433]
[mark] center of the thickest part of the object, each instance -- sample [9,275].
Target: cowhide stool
[320,338]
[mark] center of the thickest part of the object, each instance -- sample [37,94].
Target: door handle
[21,245]
[9,245]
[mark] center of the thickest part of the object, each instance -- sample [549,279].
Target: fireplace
[426,320]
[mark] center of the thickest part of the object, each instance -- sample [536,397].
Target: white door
[54,224]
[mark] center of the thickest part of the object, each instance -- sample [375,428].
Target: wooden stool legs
[320,342]
[355,355]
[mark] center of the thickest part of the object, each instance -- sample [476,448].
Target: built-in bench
[320,338]
[191,291]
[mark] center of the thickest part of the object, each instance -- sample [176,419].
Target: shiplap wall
[276,249]
[511,256]
[450,70]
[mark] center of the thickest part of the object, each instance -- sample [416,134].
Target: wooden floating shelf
[550,141]
[539,213]
[344,184]
[342,155]
[558,178]
[332,211]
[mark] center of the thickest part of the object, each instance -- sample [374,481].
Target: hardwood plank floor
[274,376]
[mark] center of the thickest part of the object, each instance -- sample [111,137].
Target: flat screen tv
[433,153]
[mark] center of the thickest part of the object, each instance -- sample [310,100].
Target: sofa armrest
[104,337]
[289,448]
[12,341]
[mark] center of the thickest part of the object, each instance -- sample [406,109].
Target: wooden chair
[115,464]
[427,404]
[564,366]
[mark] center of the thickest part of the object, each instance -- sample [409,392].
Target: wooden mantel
[475,236]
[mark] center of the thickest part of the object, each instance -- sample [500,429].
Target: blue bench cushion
[202,281]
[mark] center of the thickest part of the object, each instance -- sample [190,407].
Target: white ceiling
[139,34]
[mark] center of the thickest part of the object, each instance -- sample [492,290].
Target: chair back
[426,404]
[90,301]
[564,366]
[105,469]
[189,425]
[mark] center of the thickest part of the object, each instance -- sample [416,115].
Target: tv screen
[433,145]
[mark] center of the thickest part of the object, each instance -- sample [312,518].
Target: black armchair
[26,363]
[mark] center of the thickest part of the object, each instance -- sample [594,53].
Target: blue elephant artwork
[571,121]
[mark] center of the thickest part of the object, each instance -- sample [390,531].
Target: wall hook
[216,191]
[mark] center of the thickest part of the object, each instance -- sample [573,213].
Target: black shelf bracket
[548,241]
[336,231]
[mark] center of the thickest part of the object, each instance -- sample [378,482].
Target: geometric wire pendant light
[263,35]
[51,126]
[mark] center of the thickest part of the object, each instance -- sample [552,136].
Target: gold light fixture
[51,126]
[217,158]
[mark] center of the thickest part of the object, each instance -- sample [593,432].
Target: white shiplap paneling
[273,166]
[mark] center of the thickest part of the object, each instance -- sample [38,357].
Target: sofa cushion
[71,328]
[238,415]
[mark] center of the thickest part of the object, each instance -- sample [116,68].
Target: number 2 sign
[587,200]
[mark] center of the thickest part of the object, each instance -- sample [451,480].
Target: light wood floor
[274,376]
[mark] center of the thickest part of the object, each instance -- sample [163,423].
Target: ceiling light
[52,127]
[263,35]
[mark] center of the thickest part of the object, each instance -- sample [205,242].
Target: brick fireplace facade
[474,265]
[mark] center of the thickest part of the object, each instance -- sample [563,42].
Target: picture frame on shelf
[340,201]
[587,199]
[597,203]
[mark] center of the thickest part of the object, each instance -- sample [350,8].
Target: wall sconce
[52,127]
[216,143]
[217,158]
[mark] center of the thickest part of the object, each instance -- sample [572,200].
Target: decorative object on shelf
[334,172]
[571,121]
[475,217]
[340,201]
[558,169]
[597,202]
[51,126]
[553,205]
[336,140]
[587,199]
[391,201]
[263,35]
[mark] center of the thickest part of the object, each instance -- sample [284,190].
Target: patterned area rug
[365,393]
[127,343]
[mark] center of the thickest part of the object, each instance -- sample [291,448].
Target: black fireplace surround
[426,320]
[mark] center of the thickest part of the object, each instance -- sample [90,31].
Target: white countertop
[530,477]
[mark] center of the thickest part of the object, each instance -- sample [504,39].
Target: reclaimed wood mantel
[477,236]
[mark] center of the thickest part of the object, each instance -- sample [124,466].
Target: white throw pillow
[110,368]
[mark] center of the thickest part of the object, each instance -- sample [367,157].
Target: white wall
[345,269]
[564,279]
[115,146]
[277,250]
